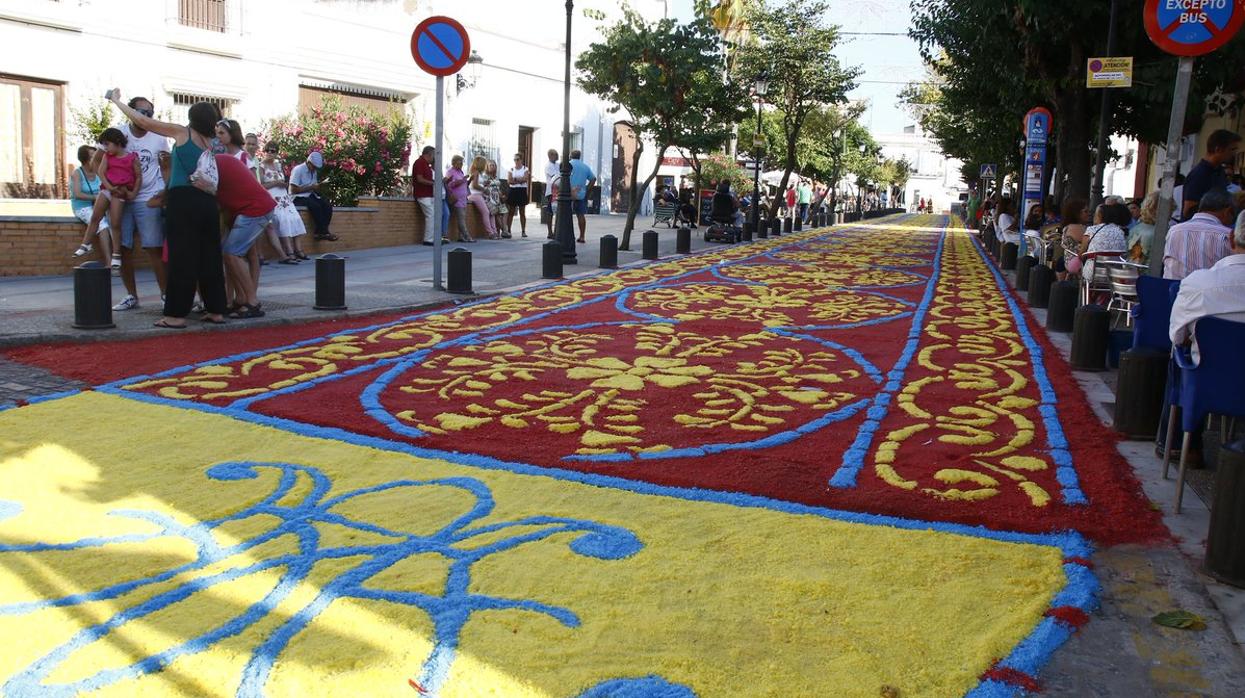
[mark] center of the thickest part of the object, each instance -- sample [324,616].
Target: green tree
[90,120]
[792,44]
[668,77]
[992,60]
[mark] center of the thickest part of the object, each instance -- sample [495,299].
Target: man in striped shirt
[1202,240]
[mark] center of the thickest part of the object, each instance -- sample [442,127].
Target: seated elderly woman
[1108,238]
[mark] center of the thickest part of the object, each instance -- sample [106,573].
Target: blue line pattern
[455,541]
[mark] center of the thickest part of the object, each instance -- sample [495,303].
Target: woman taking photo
[192,219]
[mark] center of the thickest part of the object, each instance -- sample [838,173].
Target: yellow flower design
[610,372]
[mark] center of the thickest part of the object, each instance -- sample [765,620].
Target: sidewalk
[383,279]
[1139,581]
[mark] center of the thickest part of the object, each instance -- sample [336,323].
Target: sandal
[246,312]
[302,256]
[212,321]
[83,249]
[289,260]
[167,325]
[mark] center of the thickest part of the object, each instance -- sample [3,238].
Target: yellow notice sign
[1109,72]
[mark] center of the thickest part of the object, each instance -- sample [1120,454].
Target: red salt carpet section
[756,369]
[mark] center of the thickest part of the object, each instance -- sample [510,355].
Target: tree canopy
[669,78]
[791,43]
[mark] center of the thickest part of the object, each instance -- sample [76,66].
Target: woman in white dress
[285,218]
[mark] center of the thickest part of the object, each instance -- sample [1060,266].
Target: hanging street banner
[1193,27]
[1109,72]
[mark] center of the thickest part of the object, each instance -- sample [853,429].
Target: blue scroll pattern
[448,611]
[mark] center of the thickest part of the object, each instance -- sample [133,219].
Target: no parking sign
[1193,27]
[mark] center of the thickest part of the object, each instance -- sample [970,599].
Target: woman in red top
[249,208]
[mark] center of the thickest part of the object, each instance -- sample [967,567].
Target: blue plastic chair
[1216,385]
[1153,312]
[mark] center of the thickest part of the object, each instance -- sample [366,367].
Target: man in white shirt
[1201,241]
[1218,291]
[553,172]
[143,216]
[305,188]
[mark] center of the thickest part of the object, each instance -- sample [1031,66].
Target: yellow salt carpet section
[722,599]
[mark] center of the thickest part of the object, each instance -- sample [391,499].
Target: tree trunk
[1073,105]
[637,193]
[788,168]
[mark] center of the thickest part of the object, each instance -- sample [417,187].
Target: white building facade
[261,59]
[934,175]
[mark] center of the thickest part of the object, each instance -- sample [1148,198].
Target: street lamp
[474,62]
[760,88]
[566,234]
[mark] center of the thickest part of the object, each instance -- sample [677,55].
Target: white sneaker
[127,303]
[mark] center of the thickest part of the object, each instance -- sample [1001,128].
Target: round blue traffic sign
[440,46]
[1192,27]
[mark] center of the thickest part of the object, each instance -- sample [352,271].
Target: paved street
[649,519]
[41,308]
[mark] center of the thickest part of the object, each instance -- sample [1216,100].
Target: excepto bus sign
[1193,27]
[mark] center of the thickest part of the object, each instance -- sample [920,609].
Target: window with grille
[484,140]
[211,15]
[577,139]
[182,101]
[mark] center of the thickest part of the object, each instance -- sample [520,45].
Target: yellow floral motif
[977,350]
[820,277]
[287,368]
[848,257]
[584,383]
[772,306]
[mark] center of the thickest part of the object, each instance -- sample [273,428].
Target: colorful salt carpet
[827,464]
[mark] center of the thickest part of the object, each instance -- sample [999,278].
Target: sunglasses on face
[270,150]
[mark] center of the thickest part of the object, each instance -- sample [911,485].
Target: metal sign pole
[438,187]
[1171,160]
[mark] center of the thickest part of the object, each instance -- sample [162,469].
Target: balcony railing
[212,15]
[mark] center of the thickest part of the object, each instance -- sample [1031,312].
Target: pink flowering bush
[365,152]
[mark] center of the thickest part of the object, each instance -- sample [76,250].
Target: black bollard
[786,225]
[1062,306]
[330,282]
[551,260]
[775,227]
[609,252]
[1225,555]
[1091,331]
[458,278]
[1040,279]
[763,228]
[1023,268]
[650,244]
[1007,260]
[799,224]
[92,296]
[1139,393]
[747,231]
[683,240]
